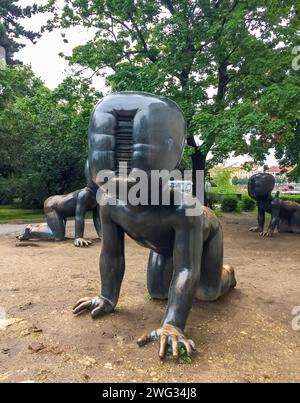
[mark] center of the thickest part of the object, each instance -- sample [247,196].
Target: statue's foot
[267,234]
[230,271]
[168,335]
[25,236]
[97,306]
[82,242]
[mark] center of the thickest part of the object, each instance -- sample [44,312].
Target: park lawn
[13,214]
[18,215]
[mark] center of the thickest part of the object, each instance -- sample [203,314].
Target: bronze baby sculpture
[186,259]
[60,207]
[285,215]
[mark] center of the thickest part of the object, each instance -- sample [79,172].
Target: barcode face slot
[124,142]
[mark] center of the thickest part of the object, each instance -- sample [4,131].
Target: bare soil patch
[246,336]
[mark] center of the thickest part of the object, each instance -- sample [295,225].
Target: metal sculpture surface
[186,259]
[59,208]
[285,215]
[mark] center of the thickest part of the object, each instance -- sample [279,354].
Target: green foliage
[183,357]
[43,136]
[8,190]
[247,204]
[226,63]
[212,198]
[17,85]
[11,30]
[224,182]
[10,213]
[229,204]
[295,198]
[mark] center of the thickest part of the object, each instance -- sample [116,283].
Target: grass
[13,214]
[183,358]
[295,198]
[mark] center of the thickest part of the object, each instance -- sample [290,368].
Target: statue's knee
[159,275]
[161,296]
[59,238]
[50,203]
[207,294]
[157,292]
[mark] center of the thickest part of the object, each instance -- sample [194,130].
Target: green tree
[11,29]
[223,179]
[220,60]
[17,83]
[282,103]
[43,136]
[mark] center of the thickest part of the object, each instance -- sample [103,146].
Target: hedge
[247,203]
[230,203]
[294,198]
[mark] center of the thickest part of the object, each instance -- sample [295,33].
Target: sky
[44,55]
[52,69]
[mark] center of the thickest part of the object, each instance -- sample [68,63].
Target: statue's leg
[41,231]
[284,225]
[54,228]
[215,279]
[295,222]
[159,275]
[56,223]
[37,231]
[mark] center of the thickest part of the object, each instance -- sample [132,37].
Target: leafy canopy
[227,63]
[43,136]
[11,29]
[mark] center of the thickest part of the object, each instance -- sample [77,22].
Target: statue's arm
[187,255]
[97,221]
[261,218]
[112,267]
[112,260]
[80,210]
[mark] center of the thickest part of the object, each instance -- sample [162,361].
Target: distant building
[244,171]
[274,170]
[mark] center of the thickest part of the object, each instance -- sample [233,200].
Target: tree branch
[118,21]
[169,5]
[139,34]
[230,54]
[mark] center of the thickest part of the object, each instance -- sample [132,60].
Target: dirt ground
[244,337]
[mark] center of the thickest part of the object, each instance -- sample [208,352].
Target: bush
[212,197]
[229,204]
[9,190]
[247,204]
[294,198]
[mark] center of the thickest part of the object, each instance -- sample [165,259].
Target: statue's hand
[168,335]
[82,242]
[267,234]
[97,306]
[254,229]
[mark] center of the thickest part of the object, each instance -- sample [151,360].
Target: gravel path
[9,229]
